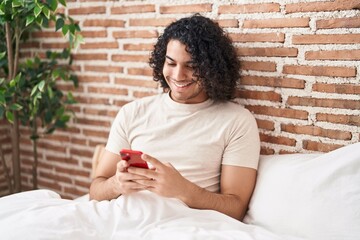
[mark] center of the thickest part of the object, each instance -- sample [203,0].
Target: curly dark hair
[215,61]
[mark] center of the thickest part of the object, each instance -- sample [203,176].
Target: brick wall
[300,75]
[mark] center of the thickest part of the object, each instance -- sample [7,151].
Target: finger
[146,182]
[122,166]
[126,176]
[156,164]
[148,174]
[132,185]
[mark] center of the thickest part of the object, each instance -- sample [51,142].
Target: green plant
[29,93]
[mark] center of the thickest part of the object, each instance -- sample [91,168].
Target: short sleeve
[243,148]
[118,137]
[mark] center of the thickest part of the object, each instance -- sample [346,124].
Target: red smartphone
[133,158]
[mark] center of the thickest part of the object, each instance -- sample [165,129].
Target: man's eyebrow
[169,58]
[188,62]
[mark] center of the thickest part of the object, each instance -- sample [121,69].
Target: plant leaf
[33,91]
[17,3]
[41,86]
[37,11]
[9,116]
[2,99]
[29,20]
[2,110]
[63,2]
[53,4]
[59,24]
[46,12]
[16,107]
[65,29]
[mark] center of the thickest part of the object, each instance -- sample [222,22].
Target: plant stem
[35,163]
[10,55]
[15,127]
[6,170]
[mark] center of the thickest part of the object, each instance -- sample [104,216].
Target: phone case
[134,158]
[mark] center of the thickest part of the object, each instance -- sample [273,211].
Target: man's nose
[179,73]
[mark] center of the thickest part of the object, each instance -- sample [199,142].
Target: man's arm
[237,185]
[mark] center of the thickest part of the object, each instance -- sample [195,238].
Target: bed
[297,197]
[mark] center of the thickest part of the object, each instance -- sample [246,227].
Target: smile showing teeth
[182,85]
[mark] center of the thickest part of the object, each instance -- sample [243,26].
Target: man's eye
[170,64]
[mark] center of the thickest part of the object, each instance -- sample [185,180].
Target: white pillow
[313,196]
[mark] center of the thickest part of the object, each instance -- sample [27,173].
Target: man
[202,146]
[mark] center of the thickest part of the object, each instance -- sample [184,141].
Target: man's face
[178,71]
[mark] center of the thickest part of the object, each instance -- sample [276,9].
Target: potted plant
[29,94]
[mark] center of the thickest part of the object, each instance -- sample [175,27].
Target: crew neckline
[186,106]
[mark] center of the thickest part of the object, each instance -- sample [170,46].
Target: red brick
[135,34]
[350,55]
[339,23]
[133,9]
[47,35]
[94,34]
[129,58]
[99,112]
[337,88]
[353,120]
[277,140]
[188,8]
[93,79]
[103,23]
[227,23]
[278,112]
[105,69]
[268,52]
[277,23]
[259,95]
[25,45]
[273,82]
[258,37]
[100,45]
[95,133]
[87,10]
[139,94]
[154,22]
[139,47]
[258,66]
[55,45]
[266,151]
[265,124]
[249,8]
[107,90]
[61,159]
[320,71]
[53,177]
[326,39]
[316,131]
[90,56]
[320,147]
[86,121]
[140,71]
[136,82]
[120,103]
[323,102]
[334,5]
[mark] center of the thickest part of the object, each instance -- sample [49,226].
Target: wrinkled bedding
[42,214]
[297,197]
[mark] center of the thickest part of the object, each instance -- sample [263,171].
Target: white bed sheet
[42,214]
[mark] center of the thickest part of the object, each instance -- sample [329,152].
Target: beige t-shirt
[195,138]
